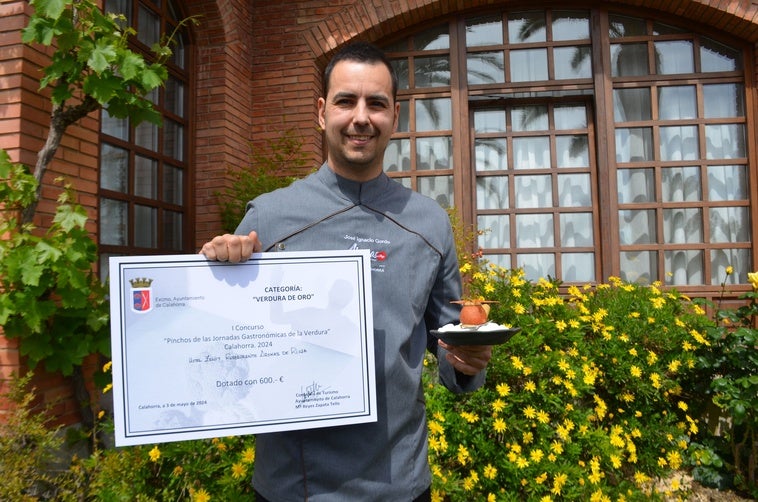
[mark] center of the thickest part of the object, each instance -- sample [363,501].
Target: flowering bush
[587,402]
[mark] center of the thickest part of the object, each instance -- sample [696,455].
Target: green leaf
[131,65]
[102,56]
[50,8]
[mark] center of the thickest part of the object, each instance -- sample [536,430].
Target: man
[351,202]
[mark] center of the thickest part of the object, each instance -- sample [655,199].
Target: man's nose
[361,113]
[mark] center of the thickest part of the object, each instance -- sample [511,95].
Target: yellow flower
[107,366]
[469,417]
[199,495]
[503,389]
[498,405]
[238,470]
[248,456]
[729,270]
[100,414]
[107,388]
[635,371]
[530,386]
[499,425]
[490,472]
[178,470]
[752,278]
[530,412]
[154,454]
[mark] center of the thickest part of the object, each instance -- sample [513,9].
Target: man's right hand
[232,248]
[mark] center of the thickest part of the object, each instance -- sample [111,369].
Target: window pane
[485,68]
[572,62]
[529,118]
[576,230]
[635,186]
[432,71]
[146,136]
[484,31]
[148,27]
[674,57]
[404,119]
[489,121]
[622,26]
[436,38]
[433,114]
[528,65]
[578,267]
[534,230]
[677,102]
[531,153]
[145,226]
[679,143]
[680,184]
[172,230]
[113,222]
[145,177]
[434,153]
[727,183]
[533,191]
[570,25]
[637,226]
[682,226]
[725,141]
[491,154]
[572,151]
[639,266]
[629,60]
[739,259]
[730,224]
[492,192]
[173,139]
[526,27]
[537,265]
[114,168]
[634,144]
[574,190]
[723,100]
[683,267]
[173,185]
[118,128]
[570,117]
[174,96]
[631,104]
[179,51]
[403,75]
[439,188]
[397,157]
[717,57]
[494,231]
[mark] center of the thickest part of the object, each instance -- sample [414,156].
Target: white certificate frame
[205,349]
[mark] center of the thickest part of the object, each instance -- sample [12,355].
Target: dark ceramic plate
[473,337]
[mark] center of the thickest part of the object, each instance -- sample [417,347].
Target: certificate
[203,348]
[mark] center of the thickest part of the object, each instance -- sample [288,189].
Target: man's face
[358,116]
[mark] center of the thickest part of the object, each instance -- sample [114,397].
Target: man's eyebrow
[352,95]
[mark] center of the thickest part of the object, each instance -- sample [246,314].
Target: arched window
[144,169]
[582,144]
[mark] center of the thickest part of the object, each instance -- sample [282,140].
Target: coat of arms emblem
[141,295]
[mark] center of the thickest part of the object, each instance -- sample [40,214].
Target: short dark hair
[363,52]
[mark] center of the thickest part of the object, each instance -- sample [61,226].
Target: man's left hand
[468,359]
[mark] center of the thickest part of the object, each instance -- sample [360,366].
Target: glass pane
[179,51]
[680,184]
[636,186]
[174,96]
[439,188]
[682,226]
[570,117]
[172,230]
[571,25]
[677,102]
[533,191]
[489,121]
[145,226]
[433,114]
[572,62]
[534,230]
[729,224]
[397,157]
[727,183]
[639,266]
[148,27]
[500,260]
[629,60]
[674,56]
[531,153]
[574,190]
[725,141]
[623,26]
[146,136]
[739,259]
[173,139]
[145,177]
[401,69]
[634,144]
[631,104]
[492,192]
[484,31]
[679,143]
[113,222]
[494,231]
[572,151]
[526,27]
[119,7]
[665,29]
[114,168]
[436,38]
[118,128]
[491,154]
[529,118]
[434,153]
[485,68]
[683,267]
[578,267]
[637,226]
[404,118]
[431,71]
[528,65]
[537,265]
[173,185]
[723,100]
[576,230]
[718,57]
